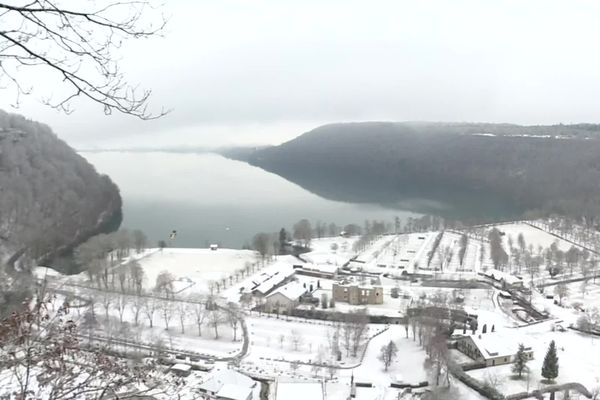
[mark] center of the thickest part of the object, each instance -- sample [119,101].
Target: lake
[208,198]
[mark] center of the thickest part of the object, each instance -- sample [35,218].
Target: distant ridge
[528,169]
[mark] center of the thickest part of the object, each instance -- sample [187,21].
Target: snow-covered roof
[326,268]
[234,392]
[218,379]
[292,291]
[299,391]
[498,344]
[181,367]
[267,285]
[367,282]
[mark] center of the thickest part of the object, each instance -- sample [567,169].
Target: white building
[495,348]
[269,282]
[285,298]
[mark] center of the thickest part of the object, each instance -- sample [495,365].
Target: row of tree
[139,311]
[102,256]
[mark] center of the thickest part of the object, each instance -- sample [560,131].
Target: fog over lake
[211,199]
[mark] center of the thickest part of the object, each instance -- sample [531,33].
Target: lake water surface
[211,199]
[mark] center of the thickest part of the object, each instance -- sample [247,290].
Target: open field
[196,267]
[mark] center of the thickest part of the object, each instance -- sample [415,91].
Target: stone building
[358,290]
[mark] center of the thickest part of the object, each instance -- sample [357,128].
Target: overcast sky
[266,71]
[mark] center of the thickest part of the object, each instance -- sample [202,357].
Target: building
[227,384]
[181,369]
[495,348]
[285,298]
[326,271]
[358,291]
[266,283]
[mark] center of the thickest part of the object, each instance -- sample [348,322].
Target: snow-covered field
[587,294]
[287,346]
[532,235]
[198,267]
[334,250]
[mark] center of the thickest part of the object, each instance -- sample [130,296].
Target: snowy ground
[293,339]
[335,250]
[532,235]
[277,342]
[198,266]
[586,294]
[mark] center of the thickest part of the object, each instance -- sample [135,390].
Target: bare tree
[140,240]
[331,371]
[296,339]
[149,307]
[46,359]
[303,232]
[137,305]
[438,354]
[77,47]
[234,315]
[359,321]
[281,340]
[562,291]
[164,283]
[387,353]
[261,243]
[121,302]
[199,309]
[107,300]
[136,275]
[215,318]
[182,310]
[294,365]
[166,311]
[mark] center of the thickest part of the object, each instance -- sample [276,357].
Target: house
[285,298]
[367,290]
[270,282]
[495,348]
[214,247]
[181,369]
[227,384]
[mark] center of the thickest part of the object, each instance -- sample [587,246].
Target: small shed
[181,369]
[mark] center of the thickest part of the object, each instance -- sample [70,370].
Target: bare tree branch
[79,48]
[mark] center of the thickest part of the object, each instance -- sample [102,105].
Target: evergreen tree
[283,238]
[520,364]
[550,366]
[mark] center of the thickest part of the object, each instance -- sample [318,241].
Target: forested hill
[473,169]
[50,197]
